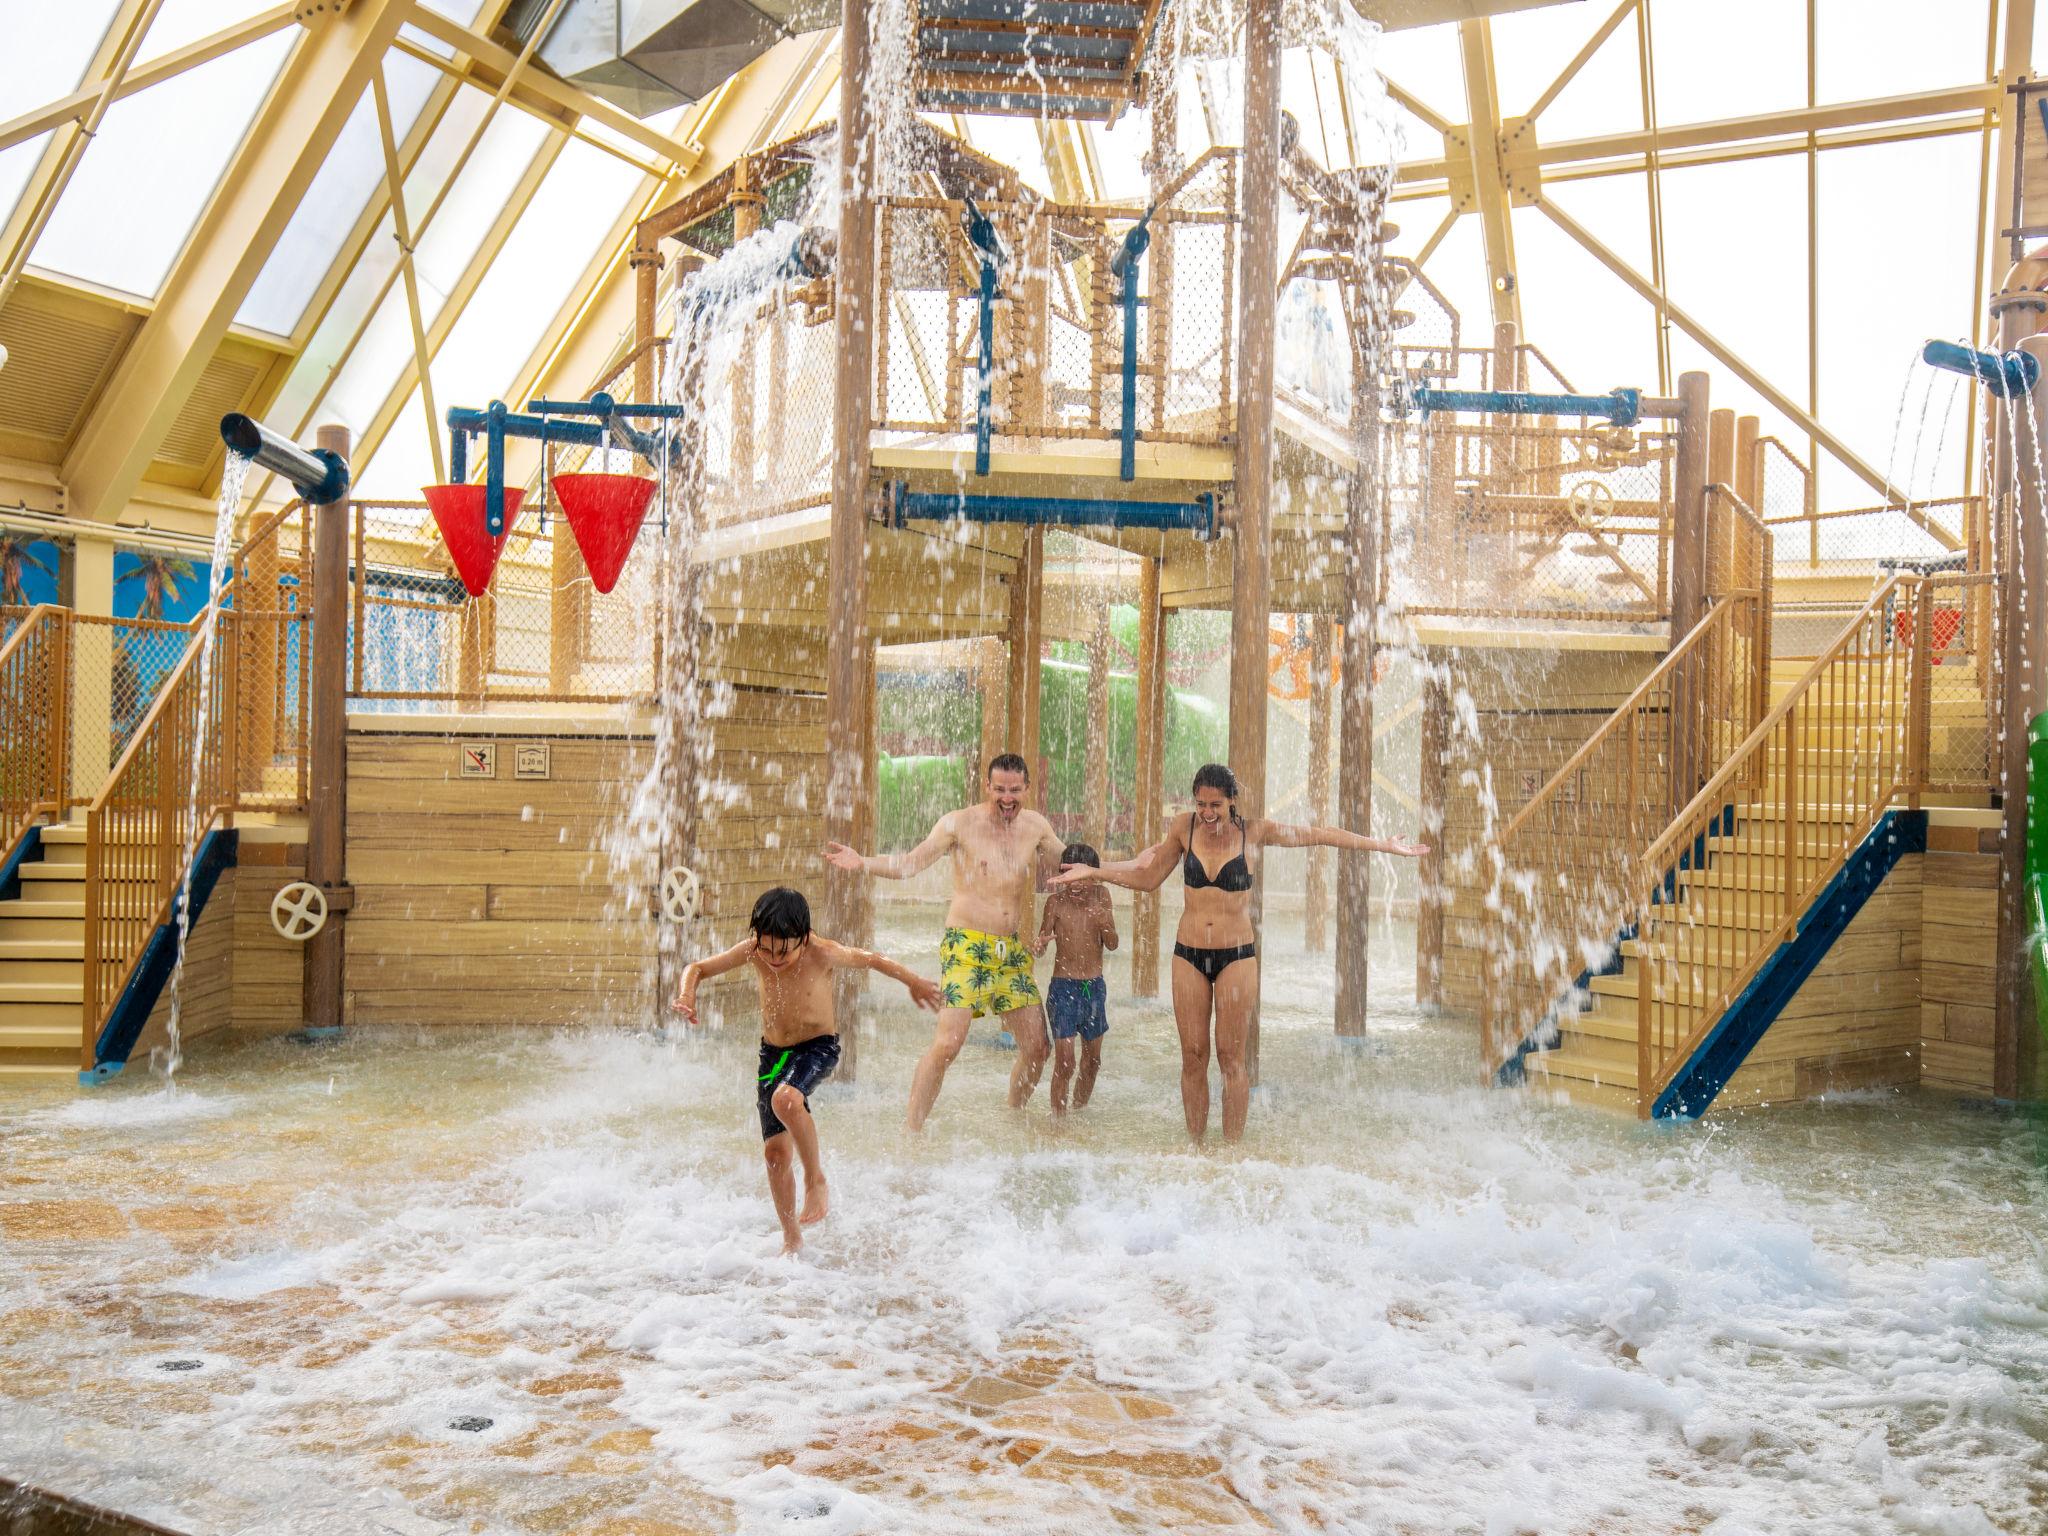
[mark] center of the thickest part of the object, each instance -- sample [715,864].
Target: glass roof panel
[156,160]
[352,173]
[445,249]
[1605,96]
[1731,59]
[180,22]
[1864,53]
[48,49]
[531,281]
[1425,62]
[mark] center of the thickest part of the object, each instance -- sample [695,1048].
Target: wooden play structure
[1714,775]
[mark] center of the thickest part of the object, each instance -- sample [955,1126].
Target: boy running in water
[1079,920]
[799,1037]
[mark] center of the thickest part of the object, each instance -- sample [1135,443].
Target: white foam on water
[115,1110]
[1405,1304]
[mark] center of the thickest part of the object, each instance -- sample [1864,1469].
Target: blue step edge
[28,851]
[159,956]
[1513,1072]
[1743,1023]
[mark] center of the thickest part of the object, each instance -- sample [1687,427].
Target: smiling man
[999,848]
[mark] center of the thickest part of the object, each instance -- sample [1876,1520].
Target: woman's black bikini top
[1234,876]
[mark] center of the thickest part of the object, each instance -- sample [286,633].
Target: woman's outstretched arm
[1146,872]
[1279,834]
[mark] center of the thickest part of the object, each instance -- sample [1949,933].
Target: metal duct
[646,56]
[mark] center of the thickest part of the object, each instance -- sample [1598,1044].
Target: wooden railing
[1569,864]
[34,716]
[190,765]
[1778,818]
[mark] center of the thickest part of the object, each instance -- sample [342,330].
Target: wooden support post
[1430,894]
[1252,554]
[846,574]
[747,203]
[2024,664]
[862,933]
[1721,464]
[1032,364]
[1027,635]
[1749,463]
[1688,577]
[1354,768]
[993,678]
[1095,820]
[1146,810]
[327,790]
[1316,890]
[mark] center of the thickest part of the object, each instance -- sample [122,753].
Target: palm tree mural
[17,554]
[159,576]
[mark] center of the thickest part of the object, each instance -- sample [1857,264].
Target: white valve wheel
[679,894]
[298,911]
[1591,498]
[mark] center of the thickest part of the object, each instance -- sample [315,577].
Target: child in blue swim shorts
[1080,921]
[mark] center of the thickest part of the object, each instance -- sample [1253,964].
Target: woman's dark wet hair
[1080,853]
[781,913]
[1216,776]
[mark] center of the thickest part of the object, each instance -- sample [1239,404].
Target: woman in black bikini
[1215,956]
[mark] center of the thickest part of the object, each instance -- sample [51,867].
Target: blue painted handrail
[906,505]
[1623,407]
[2007,375]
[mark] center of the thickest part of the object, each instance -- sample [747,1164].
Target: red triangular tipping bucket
[459,514]
[605,513]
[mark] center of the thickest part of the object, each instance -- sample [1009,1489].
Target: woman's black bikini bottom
[1212,963]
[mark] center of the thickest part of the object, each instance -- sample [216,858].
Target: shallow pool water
[459,1281]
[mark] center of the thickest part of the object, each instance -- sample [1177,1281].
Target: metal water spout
[646,56]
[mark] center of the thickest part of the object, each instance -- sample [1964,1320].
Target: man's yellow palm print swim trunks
[985,973]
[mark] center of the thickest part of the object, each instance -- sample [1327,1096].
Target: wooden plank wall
[1959,913]
[1855,1022]
[1533,710]
[492,900]
[239,974]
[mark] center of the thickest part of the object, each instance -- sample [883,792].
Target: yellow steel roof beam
[297,125]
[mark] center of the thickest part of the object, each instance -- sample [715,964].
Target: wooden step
[1586,1061]
[61,1013]
[38,1037]
[32,972]
[1581,1094]
[47,873]
[15,929]
[71,992]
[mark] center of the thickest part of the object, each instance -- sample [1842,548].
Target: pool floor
[458,1281]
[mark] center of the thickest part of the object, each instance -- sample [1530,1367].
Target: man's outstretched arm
[895,866]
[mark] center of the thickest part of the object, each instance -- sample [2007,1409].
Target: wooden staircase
[42,961]
[1731,905]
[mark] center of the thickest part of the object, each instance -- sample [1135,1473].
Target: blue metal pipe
[981,234]
[906,505]
[2007,375]
[496,423]
[1129,258]
[1623,407]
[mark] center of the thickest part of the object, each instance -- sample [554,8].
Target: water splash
[165,1059]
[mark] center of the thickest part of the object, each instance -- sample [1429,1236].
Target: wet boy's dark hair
[1009,762]
[781,913]
[1080,853]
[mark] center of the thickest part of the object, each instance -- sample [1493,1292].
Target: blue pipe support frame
[1622,407]
[2008,375]
[1125,265]
[981,234]
[1197,516]
[495,423]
